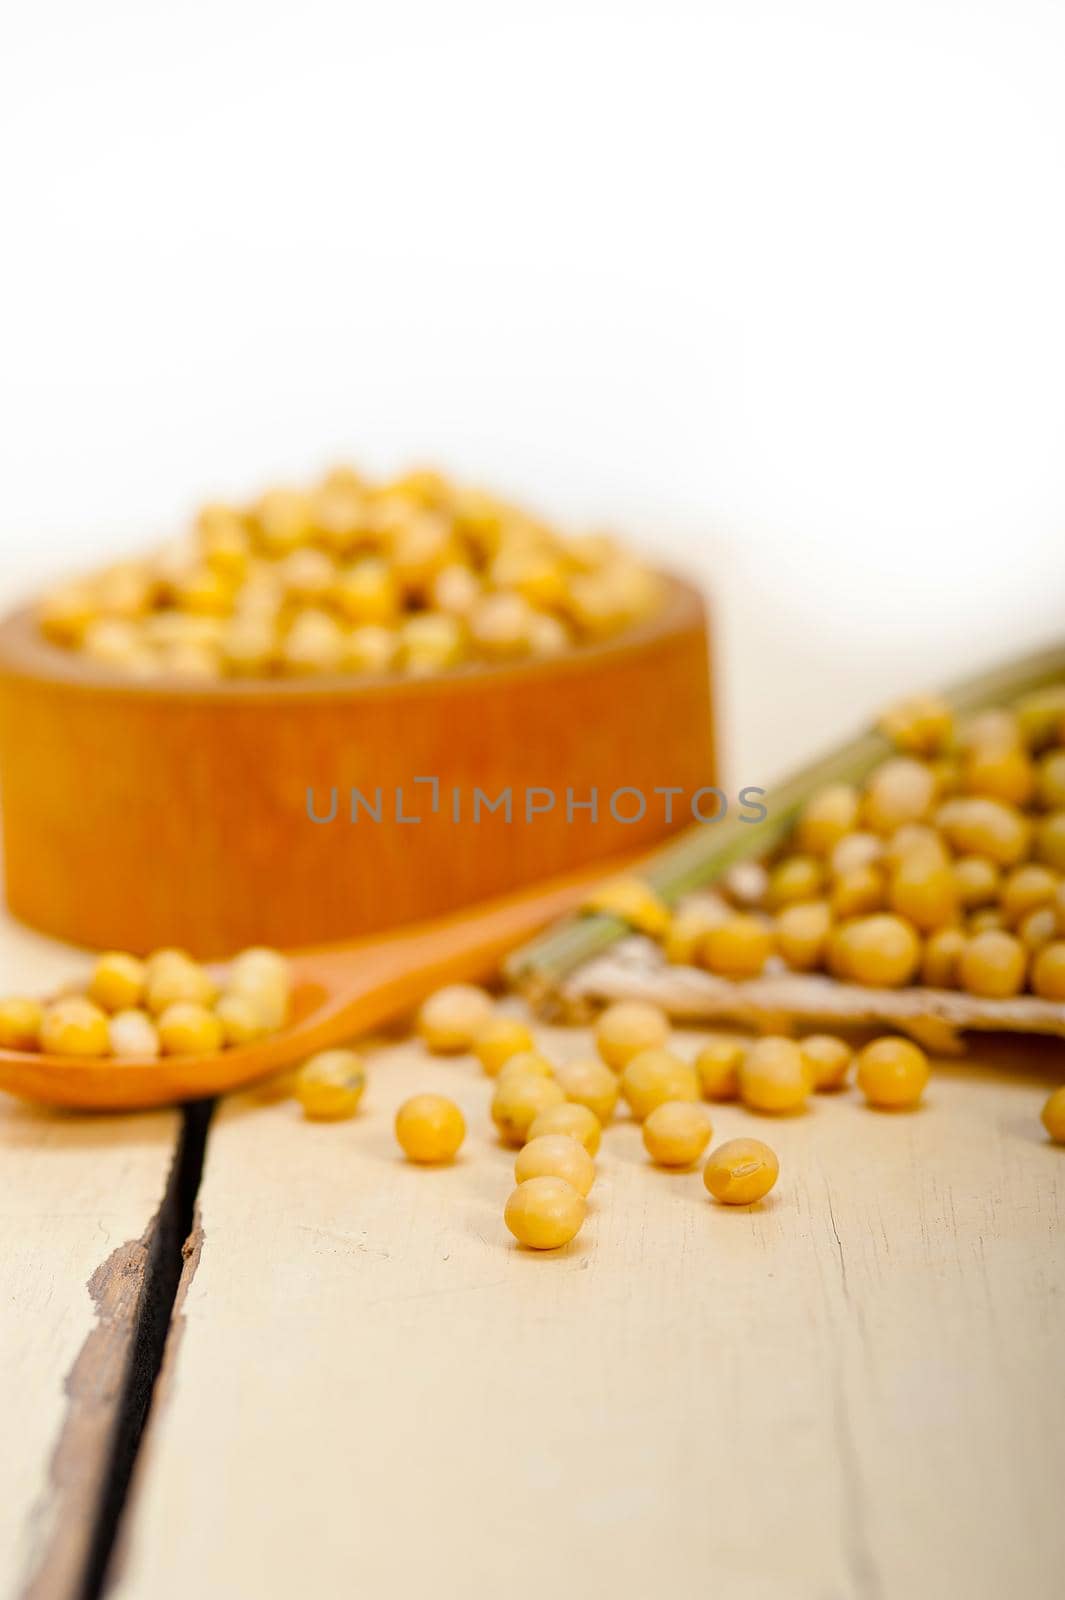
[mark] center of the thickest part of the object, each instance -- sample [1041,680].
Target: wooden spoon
[339,991]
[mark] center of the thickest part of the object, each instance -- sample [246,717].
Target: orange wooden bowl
[145,813]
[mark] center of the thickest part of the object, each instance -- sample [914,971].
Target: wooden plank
[853,1390]
[80,1199]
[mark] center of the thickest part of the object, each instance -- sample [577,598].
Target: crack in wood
[110,1387]
[191,1250]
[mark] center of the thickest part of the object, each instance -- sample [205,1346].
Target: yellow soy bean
[741,1172]
[430,1128]
[655,1076]
[676,1133]
[544,1213]
[556,1155]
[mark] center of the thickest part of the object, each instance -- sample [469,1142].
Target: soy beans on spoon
[166,1004]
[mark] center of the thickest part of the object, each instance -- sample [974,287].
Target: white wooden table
[854,1389]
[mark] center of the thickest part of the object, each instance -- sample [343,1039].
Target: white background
[777,288]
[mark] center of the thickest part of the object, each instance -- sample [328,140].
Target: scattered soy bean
[741,1172]
[499,1039]
[827,1059]
[330,1085]
[655,1076]
[556,1155]
[569,1118]
[774,1077]
[1054,1116]
[524,1062]
[518,1100]
[544,1213]
[628,1027]
[450,1020]
[676,1133]
[892,1073]
[718,1066]
[588,1082]
[430,1128]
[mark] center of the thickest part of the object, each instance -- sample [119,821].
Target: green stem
[703,854]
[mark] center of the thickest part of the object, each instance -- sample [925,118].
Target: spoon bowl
[338,992]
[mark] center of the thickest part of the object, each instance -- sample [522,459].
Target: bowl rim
[26,654]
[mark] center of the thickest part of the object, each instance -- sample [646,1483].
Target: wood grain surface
[854,1389]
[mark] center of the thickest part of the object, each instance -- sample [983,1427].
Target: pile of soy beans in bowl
[412,576]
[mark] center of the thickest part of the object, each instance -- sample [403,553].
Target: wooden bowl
[142,813]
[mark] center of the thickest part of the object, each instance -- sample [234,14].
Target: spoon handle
[374,980]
